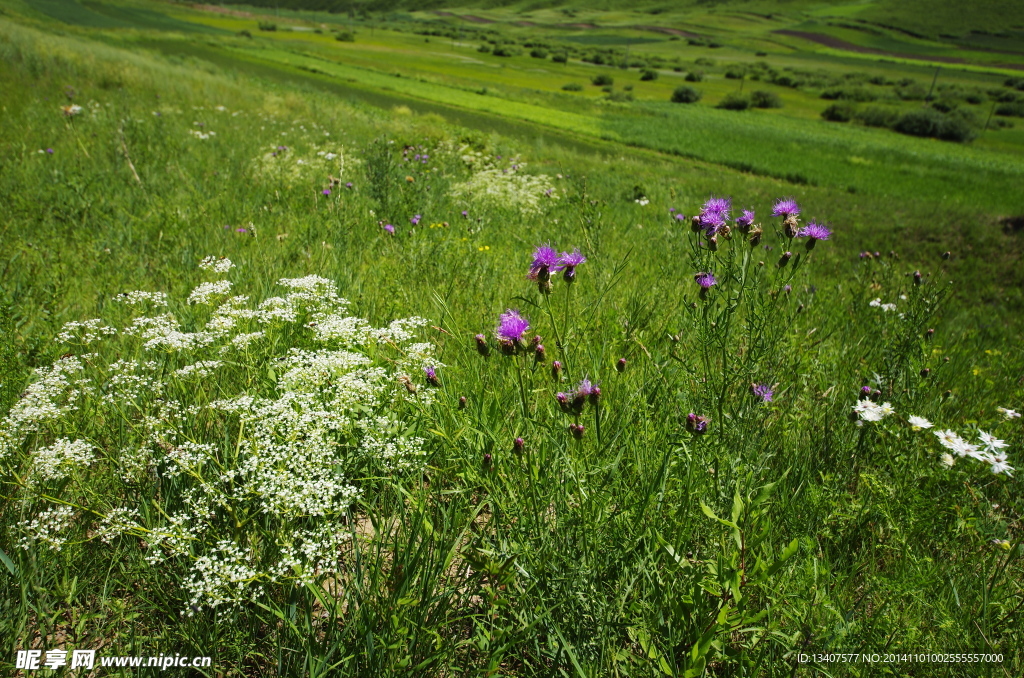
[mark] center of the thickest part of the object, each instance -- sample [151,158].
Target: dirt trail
[669,31]
[836,43]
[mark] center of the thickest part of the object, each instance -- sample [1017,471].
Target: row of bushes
[685,94]
[956,125]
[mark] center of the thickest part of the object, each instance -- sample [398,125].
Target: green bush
[245,34]
[538,53]
[1015,110]
[849,94]
[648,75]
[878,116]
[619,97]
[506,51]
[345,36]
[684,94]
[928,122]
[705,61]
[484,49]
[560,58]
[735,102]
[573,87]
[839,113]
[975,98]
[945,105]
[762,99]
[267,26]
[736,72]
[602,80]
[911,92]
[695,76]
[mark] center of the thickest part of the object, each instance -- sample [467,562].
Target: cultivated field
[385,343]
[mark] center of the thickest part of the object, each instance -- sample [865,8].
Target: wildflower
[431,375]
[947,459]
[999,464]
[762,391]
[697,424]
[389,228]
[642,201]
[621,365]
[556,369]
[918,423]
[538,353]
[511,327]
[487,462]
[415,220]
[992,444]
[49,151]
[814,232]
[706,280]
[889,307]
[481,345]
[785,207]
[216,264]
[326,191]
[576,430]
[871,411]
[545,259]
[865,391]
[465,214]
[1008,413]
[462,402]
[348,185]
[71,111]
[755,236]
[518,445]
[744,221]
[564,401]
[567,263]
[784,259]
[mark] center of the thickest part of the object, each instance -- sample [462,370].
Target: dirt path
[668,31]
[836,43]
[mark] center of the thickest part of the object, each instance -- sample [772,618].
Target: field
[335,345]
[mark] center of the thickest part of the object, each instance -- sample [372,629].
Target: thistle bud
[947,394]
[930,333]
[536,341]
[544,286]
[431,376]
[925,372]
[713,243]
[726,232]
[488,462]
[946,255]
[784,259]
[556,369]
[876,394]
[462,402]
[595,395]
[576,430]
[865,391]
[538,353]
[563,402]
[695,224]
[621,365]
[917,277]
[518,445]
[697,424]
[789,226]
[481,345]
[755,236]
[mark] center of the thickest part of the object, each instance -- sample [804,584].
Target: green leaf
[8,562]
[786,554]
[711,514]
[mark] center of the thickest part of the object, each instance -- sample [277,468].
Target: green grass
[641,548]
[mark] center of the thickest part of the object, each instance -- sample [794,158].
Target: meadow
[321,359]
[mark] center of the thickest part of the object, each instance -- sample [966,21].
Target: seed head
[481,345]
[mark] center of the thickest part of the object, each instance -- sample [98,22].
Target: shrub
[573,87]
[945,104]
[1016,110]
[684,94]
[245,34]
[975,98]
[912,92]
[762,99]
[736,72]
[705,61]
[957,128]
[839,113]
[345,36]
[1005,97]
[628,88]
[735,102]
[506,51]
[927,122]
[538,53]
[649,75]
[619,97]
[484,49]
[602,80]
[1015,83]
[877,116]
[784,80]
[267,26]
[694,76]
[849,94]
[560,58]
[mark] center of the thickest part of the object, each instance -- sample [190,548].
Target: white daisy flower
[918,423]
[991,442]
[1007,413]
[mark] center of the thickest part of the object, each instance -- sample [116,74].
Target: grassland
[638,545]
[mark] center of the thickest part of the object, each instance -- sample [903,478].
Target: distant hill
[924,18]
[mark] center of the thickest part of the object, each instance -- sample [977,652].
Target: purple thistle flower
[49,151]
[326,191]
[706,280]
[680,216]
[348,185]
[712,222]
[671,210]
[719,205]
[545,259]
[568,262]
[415,220]
[465,214]
[814,231]
[512,326]
[762,391]
[389,228]
[745,220]
[431,375]
[241,230]
[585,388]
[785,207]
[696,423]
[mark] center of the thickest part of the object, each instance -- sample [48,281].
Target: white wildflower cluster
[278,457]
[53,462]
[877,303]
[285,166]
[988,450]
[49,527]
[868,410]
[1008,413]
[216,264]
[84,331]
[205,292]
[507,188]
[139,297]
[202,135]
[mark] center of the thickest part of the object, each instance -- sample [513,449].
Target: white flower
[918,423]
[991,442]
[72,110]
[947,438]
[875,302]
[216,264]
[886,409]
[642,201]
[869,411]
[947,459]
[204,293]
[1000,465]
[888,307]
[1007,413]
[966,449]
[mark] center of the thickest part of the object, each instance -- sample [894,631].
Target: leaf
[8,562]
[711,514]
[786,554]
